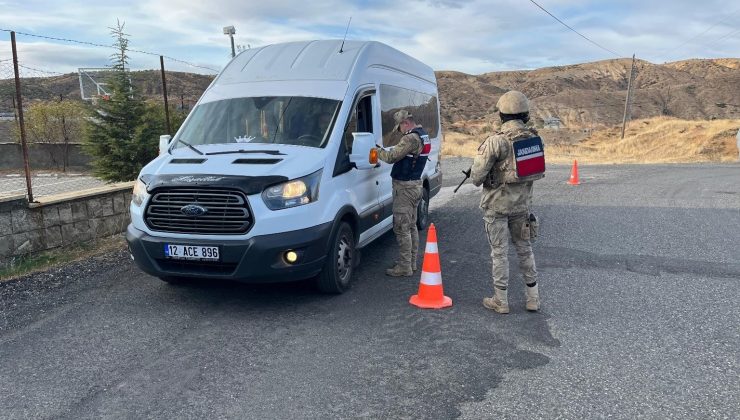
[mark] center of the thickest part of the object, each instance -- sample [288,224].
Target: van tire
[422,212]
[337,273]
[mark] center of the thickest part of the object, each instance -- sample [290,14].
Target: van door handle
[377,183]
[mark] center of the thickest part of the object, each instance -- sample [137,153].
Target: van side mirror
[361,146]
[164,142]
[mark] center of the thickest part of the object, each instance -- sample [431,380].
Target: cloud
[472,36]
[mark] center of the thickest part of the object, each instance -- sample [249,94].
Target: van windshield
[295,120]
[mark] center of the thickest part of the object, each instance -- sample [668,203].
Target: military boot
[533,298]
[399,271]
[499,302]
[414,266]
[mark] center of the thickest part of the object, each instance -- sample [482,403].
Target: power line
[671,51]
[74,41]
[579,34]
[727,35]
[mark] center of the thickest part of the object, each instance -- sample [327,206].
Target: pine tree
[116,140]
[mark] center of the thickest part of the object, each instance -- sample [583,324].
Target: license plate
[191,252]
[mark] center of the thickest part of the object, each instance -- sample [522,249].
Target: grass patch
[34,263]
[653,140]
[458,144]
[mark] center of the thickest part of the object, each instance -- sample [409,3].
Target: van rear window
[295,120]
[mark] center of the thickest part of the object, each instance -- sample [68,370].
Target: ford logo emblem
[194,210]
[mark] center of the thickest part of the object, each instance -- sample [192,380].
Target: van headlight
[293,193]
[140,194]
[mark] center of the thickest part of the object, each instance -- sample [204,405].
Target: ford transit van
[269,178]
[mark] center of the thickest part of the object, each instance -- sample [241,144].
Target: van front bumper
[259,259]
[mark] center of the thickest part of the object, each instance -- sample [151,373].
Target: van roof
[318,60]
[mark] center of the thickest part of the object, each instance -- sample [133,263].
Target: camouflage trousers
[498,229]
[406,198]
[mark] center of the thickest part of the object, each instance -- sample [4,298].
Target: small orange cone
[574,174]
[431,295]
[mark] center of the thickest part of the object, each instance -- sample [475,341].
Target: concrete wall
[61,220]
[43,156]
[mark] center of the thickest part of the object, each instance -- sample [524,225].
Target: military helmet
[401,116]
[513,102]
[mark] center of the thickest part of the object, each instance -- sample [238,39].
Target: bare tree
[664,101]
[56,122]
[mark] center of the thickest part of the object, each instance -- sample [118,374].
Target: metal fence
[42,154]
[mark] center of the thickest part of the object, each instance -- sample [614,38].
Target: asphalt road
[639,270]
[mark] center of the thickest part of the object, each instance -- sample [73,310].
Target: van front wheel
[339,266]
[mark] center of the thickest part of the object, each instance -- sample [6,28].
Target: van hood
[256,164]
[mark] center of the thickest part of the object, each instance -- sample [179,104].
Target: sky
[463,35]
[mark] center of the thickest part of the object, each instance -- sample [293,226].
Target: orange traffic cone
[574,174]
[431,295]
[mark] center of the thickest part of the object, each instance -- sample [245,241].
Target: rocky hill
[183,88]
[581,95]
[589,94]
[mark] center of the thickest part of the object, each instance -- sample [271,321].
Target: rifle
[467,175]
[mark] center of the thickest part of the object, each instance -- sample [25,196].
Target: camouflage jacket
[410,144]
[501,198]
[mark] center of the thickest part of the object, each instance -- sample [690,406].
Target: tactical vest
[411,166]
[504,171]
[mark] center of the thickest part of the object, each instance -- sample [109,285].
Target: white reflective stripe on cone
[431,248]
[431,279]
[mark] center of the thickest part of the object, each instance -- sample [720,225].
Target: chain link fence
[57,105]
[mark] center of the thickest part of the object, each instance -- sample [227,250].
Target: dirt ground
[653,140]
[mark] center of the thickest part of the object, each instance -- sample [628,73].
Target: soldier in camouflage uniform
[506,205]
[408,158]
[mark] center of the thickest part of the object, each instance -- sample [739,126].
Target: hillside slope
[656,140]
[185,87]
[585,95]
[582,95]
[650,140]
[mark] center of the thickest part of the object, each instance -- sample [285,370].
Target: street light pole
[230,31]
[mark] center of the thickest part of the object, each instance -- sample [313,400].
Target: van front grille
[221,211]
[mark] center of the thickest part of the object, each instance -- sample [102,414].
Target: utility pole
[230,31]
[628,101]
[15,111]
[65,136]
[164,93]
[21,124]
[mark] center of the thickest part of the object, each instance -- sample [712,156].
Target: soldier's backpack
[528,159]
[525,160]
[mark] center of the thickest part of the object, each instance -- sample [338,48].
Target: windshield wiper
[266,152]
[180,140]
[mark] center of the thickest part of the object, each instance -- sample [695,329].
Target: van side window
[422,105]
[361,121]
